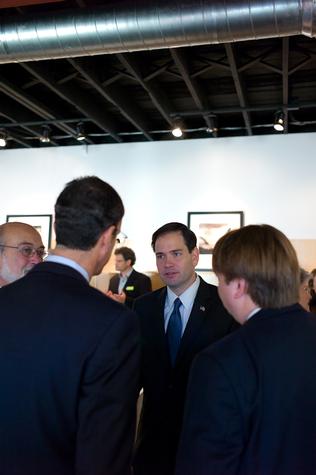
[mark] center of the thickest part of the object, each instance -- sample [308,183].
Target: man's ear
[108,236]
[240,287]
[195,256]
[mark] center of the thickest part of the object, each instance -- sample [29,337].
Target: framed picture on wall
[41,222]
[209,226]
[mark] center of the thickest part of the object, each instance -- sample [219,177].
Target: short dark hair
[84,210]
[188,235]
[265,258]
[127,253]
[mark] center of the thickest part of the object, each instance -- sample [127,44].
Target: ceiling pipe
[150,24]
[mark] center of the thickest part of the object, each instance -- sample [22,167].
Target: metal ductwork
[158,24]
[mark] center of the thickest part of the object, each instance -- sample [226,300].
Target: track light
[45,137]
[80,135]
[3,138]
[212,130]
[279,121]
[176,130]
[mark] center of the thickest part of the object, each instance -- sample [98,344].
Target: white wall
[271,178]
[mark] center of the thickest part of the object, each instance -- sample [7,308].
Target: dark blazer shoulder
[47,268]
[139,275]
[150,298]
[209,293]
[208,289]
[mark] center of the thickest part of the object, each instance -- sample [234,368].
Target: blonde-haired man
[251,400]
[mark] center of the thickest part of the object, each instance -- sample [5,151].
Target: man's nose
[35,259]
[168,261]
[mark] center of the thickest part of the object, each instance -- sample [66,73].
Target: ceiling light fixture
[3,138]
[176,129]
[80,135]
[45,137]
[279,121]
[211,130]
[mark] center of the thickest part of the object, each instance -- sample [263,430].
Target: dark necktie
[174,330]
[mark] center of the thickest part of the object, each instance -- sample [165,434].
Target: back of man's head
[265,258]
[127,253]
[188,236]
[84,210]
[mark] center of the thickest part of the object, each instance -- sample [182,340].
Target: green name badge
[130,288]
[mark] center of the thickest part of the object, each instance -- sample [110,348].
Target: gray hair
[304,275]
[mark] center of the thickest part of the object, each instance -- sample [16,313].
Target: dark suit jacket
[136,285]
[164,386]
[69,359]
[252,400]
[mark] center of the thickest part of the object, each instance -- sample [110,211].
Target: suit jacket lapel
[130,280]
[159,322]
[197,318]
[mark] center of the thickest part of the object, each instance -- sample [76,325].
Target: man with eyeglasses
[21,248]
[69,355]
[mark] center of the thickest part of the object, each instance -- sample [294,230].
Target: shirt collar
[187,297]
[126,274]
[253,312]
[68,262]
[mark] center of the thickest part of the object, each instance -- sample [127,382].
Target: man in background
[251,399]
[129,284]
[21,248]
[69,355]
[177,322]
[304,295]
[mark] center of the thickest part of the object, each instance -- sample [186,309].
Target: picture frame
[41,222]
[208,227]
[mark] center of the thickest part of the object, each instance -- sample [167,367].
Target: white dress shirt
[187,299]
[123,280]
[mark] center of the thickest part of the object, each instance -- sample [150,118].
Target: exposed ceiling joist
[30,103]
[20,140]
[16,114]
[238,85]
[70,94]
[196,92]
[115,96]
[157,96]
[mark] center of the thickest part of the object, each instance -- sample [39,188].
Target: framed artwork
[209,226]
[41,222]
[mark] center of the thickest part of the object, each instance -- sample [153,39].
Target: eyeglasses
[28,251]
[121,237]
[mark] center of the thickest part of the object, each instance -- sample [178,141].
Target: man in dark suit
[251,400]
[177,322]
[69,355]
[129,284]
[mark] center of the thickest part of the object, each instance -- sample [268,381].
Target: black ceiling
[222,90]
